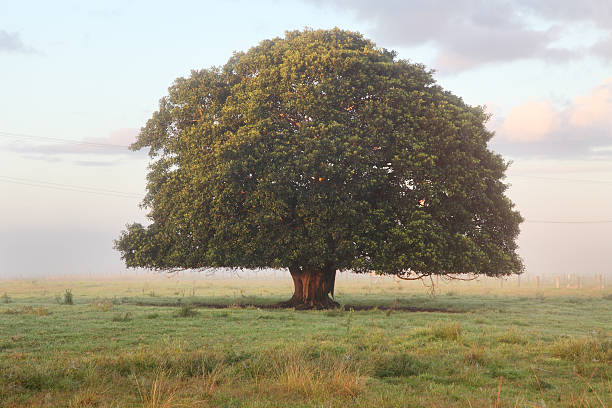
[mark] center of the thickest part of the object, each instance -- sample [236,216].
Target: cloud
[603,47]
[95,163]
[470,33]
[113,146]
[121,137]
[11,42]
[538,128]
[598,11]
[594,109]
[532,121]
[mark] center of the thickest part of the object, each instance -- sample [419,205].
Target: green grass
[504,348]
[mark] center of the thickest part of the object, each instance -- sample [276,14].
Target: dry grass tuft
[295,373]
[596,349]
[119,317]
[444,330]
[104,305]
[212,379]
[158,394]
[476,355]
[29,310]
[513,336]
[88,397]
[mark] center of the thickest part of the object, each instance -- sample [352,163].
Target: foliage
[186,311]
[66,298]
[321,150]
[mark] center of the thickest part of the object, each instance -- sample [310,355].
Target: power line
[124,194]
[57,139]
[568,222]
[96,144]
[68,187]
[563,179]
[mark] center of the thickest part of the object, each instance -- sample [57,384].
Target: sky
[78,80]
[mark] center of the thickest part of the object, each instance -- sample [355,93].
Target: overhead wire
[563,179]
[568,222]
[60,186]
[57,139]
[124,194]
[68,187]
[566,180]
[116,193]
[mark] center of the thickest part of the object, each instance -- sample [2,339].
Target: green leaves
[320,148]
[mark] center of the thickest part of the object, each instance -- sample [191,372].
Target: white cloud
[470,33]
[113,146]
[11,42]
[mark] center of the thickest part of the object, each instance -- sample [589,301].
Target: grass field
[137,342]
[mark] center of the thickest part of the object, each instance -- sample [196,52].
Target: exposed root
[319,304]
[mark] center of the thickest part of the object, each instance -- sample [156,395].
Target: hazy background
[91,73]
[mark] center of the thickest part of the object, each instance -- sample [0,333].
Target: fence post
[601,285]
[538,282]
[557,282]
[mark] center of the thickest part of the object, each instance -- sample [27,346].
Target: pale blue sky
[94,71]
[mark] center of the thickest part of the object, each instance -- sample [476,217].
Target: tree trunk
[312,287]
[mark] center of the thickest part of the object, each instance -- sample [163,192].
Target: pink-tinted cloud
[595,108]
[120,137]
[530,122]
[537,127]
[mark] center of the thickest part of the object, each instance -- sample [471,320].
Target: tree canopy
[321,152]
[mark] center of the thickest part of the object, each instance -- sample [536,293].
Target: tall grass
[442,330]
[157,394]
[78,357]
[296,373]
[595,349]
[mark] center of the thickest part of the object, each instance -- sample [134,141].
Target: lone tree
[321,152]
